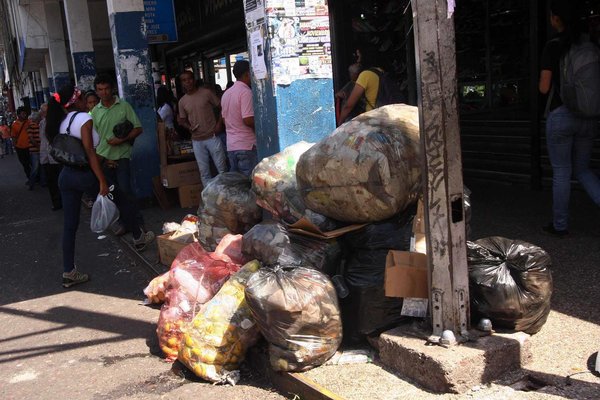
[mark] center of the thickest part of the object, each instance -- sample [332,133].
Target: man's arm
[249,121]
[182,119]
[135,132]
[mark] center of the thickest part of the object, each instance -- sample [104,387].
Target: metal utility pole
[443,183]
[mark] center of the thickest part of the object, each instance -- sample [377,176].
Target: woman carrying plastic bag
[104,212]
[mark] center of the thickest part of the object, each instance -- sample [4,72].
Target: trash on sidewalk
[297,311]
[510,282]
[228,206]
[215,342]
[367,170]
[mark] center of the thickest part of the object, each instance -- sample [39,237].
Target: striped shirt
[33,130]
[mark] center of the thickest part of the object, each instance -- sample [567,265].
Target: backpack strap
[71,121]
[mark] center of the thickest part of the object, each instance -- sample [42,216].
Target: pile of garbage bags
[246,278]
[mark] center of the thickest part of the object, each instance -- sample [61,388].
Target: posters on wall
[259,68]
[300,39]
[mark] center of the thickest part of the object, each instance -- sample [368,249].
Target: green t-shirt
[105,120]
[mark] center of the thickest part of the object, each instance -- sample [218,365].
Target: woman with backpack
[67,114]
[569,134]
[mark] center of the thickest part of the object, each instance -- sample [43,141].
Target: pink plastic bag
[231,246]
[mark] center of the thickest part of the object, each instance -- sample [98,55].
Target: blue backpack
[580,79]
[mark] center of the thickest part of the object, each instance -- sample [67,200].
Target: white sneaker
[144,239]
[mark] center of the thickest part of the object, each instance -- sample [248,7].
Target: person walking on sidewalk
[116,152]
[569,137]
[197,114]
[33,131]
[238,115]
[7,143]
[18,132]
[67,112]
[49,165]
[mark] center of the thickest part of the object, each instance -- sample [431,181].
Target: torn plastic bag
[194,278]
[274,182]
[510,282]
[215,343]
[367,170]
[296,310]
[272,244]
[366,311]
[228,205]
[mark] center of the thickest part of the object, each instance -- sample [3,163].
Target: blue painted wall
[138,90]
[33,103]
[85,69]
[40,97]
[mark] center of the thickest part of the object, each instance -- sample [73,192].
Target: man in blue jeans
[238,114]
[197,110]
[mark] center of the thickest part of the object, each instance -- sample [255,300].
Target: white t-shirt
[166,114]
[78,121]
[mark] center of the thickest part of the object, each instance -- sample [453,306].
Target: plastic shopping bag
[104,213]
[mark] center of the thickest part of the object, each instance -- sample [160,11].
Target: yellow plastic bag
[215,343]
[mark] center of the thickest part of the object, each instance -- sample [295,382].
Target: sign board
[160,21]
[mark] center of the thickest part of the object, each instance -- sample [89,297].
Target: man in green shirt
[115,152]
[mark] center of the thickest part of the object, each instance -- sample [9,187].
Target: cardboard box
[168,248]
[176,175]
[307,228]
[406,275]
[189,195]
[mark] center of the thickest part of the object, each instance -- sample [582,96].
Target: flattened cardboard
[406,275]
[307,228]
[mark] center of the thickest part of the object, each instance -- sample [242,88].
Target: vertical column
[56,44]
[134,78]
[49,76]
[80,40]
[45,84]
[292,77]
[31,91]
[440,144]
[39,91]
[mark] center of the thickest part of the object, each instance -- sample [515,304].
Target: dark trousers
[121,175]
[25,161]
[73,183]
[52,172]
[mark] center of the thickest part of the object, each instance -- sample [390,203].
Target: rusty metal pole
[443,183]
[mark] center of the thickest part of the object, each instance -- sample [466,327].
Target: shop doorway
[223,68]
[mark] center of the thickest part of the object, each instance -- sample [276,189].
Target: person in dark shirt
[569,138]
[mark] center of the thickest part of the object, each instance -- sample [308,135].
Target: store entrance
[222,68]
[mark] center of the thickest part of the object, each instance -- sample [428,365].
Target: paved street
[97,341]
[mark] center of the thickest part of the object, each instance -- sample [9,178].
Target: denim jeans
[52,173]
[8,146]
[570,141]
[73,183]
[243,161]
[34,175]
[206,149]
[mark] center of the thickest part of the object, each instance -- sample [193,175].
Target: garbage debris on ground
[510,282]
[352,356]
[156,290]
[228,205]
[274,182]
[296,310]
[269,241]
[215,343]
[367,170]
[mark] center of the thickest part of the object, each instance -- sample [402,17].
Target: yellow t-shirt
[369,81]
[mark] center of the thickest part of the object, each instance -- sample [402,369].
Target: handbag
[67,149]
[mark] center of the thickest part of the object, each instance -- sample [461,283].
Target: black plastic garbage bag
[367,311]
[510,283]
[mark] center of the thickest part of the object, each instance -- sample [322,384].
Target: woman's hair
[568,12]
[92,93]
[56,112]
[163,96]
[370,57]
